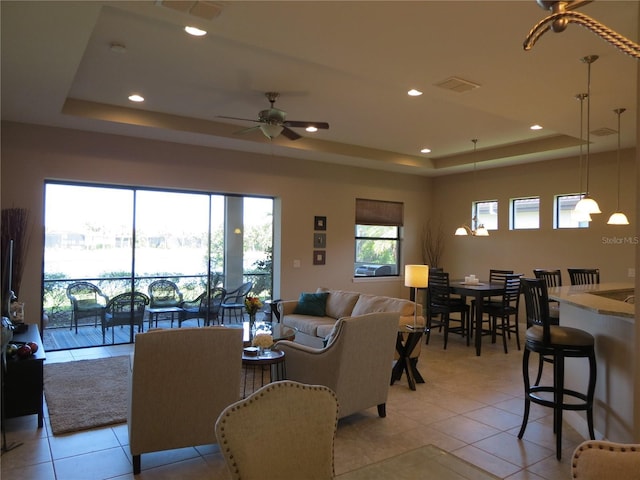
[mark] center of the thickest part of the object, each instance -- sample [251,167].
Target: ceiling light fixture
[271,130]
[617,217]
[136,98]
[586,203]
[480,230]
[562,16]
[535,127]
[195,31]
[311,129]
[414,93]
[425,150]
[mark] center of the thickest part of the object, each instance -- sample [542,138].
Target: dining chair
[505,309]
[495,276]
[283,430]
[560,343]
[442,303]
[553,278]
[433,320]
[584,276]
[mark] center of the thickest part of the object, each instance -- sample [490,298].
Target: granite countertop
[602,298]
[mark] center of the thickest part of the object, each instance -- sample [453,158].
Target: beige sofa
[313,329]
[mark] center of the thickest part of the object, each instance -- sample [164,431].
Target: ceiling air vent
[603,132]
[198,8]
[457,85]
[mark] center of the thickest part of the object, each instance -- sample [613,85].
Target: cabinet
[23,382]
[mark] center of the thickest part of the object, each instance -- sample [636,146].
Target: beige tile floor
[470,406]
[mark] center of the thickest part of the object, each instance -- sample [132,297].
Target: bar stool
[584,276]
[559,343]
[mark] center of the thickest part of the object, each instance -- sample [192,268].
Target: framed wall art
[319,240]
[320,223]
[319,257]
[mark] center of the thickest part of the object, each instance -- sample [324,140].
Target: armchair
[604,460]
[356,363]
[181,381]
[234,300]
[87,301]
[164,293]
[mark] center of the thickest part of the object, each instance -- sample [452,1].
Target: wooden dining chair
[505,310]
[442,303]
[584,276]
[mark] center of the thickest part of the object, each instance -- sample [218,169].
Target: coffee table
[163,310]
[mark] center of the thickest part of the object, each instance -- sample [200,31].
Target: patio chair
[124,309]
[164,293]
[234,300]
[205,307]
[87,301]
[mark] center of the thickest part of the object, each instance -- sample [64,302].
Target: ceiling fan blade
[246,130]
[290,134]
[237,118]
[300,124]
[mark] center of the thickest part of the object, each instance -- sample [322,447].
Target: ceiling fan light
[618,218]
[461,231]
[271,131]
[588,205]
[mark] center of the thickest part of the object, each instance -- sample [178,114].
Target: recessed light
[414,93]
[536,127]
[136,98]
[311,129]
[195,31]
[425,150]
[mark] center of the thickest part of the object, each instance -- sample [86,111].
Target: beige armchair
[285,430]
[603,460]
[181,380]
[356,363]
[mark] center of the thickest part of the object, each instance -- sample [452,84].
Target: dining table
[479,291]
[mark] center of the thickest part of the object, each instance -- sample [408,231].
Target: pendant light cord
[618,111]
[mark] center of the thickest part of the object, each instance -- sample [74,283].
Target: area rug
[86,394]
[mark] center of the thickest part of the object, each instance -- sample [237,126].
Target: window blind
[378,212]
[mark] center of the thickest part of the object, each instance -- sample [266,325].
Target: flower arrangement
[252,304]
[262,340]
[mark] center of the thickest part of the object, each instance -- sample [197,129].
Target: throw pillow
[312,304]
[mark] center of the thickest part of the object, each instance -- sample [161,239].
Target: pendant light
[477,229]
[617,217]
[588,204]
[578,215]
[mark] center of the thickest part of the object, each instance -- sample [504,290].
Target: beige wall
[303,188]
[610,248]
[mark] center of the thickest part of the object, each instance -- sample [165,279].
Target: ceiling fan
[272,122]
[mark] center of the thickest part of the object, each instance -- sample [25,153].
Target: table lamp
[416,276]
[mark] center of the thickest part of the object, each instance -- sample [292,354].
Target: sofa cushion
[309,324]
[375,303]
[312,304]
[340,303]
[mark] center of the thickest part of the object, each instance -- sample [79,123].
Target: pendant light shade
[588,205]
[617,217]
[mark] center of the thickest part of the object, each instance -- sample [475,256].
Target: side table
[154,312]
[406,341]
[23,380]
[262,369]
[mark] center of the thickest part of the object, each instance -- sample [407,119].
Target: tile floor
[470,406]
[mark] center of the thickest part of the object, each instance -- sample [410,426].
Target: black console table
[23,380]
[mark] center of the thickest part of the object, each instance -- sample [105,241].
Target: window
[377,238]
[486,213]
[525,213]
[563,212]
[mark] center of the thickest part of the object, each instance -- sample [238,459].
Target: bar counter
[601,311]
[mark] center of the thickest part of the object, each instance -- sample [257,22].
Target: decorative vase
[252,322]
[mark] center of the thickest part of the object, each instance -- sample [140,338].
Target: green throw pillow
[312,304]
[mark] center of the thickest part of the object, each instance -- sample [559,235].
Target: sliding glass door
[120,240]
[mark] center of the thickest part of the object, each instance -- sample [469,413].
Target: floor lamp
[416,276]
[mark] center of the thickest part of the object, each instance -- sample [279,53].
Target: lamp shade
[271,131]
[482,231]
[618,218]
[588,205]
[461,231]
[416,276]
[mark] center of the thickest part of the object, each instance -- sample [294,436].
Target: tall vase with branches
[433,243]
[14,244]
